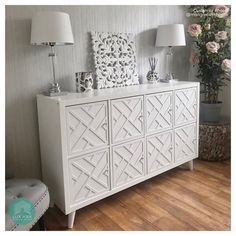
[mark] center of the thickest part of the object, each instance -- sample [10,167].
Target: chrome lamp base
[57,94]
[168,78]
[169,66]
[55,90]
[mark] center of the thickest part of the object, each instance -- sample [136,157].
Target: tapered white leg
[71,218]
[190,165]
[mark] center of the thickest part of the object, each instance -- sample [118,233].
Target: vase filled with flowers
[210,34]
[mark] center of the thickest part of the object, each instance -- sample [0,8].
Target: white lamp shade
[51,28]
[170,35]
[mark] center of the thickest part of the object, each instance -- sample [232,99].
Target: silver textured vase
[152,76]
[84,81]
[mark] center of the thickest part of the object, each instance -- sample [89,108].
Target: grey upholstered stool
[31,190]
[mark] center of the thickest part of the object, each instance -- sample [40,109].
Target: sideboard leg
[71,218]
[190,164]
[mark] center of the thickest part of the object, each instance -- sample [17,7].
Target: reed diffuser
[152,75]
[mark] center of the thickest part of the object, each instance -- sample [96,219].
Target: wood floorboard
[168,203]
[184,200]
[198,203]
[176,200]
[128,219]
[154,214]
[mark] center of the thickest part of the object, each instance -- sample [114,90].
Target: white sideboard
[98,143]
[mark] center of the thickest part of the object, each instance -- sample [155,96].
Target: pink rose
[226,65]
[221,35]
[194,59]
[194,30]
[221,11]
[212,47]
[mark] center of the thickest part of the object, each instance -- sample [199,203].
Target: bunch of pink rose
[212,47]
[211,37]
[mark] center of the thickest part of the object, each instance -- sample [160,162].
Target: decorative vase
[152,75]
[210,112]
[84,81]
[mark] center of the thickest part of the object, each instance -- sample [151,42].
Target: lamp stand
[169,67]
[55,89]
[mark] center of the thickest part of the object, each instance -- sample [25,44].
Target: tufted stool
[34,192]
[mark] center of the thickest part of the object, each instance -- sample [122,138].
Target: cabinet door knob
[141,118]
[104,125]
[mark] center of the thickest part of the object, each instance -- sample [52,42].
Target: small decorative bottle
[152,75]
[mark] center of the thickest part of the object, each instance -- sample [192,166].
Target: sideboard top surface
[113,93]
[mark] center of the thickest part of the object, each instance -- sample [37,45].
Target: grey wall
[28,70]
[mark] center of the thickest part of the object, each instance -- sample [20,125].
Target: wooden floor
[176,200]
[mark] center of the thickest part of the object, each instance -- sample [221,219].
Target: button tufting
[30,189]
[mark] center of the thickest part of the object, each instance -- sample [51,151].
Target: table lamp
[169,36]
[52,29]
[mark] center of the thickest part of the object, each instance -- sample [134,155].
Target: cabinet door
[128,162]
[159,112]
[185,142]
[127,118]
[159,151]
[89,176]
[87,127]
[185,106]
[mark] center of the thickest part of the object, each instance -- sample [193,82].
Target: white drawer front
[87,126]
[127,118]
[89,176]
[186,142]
[128,162]
[159,112]
[185,106]
[160,151]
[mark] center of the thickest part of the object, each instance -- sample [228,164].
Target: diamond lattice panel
[159,151]
[127,118]
[128,162]
[159,111]
[185,142]
[87,126]
[89,176]
[185,106]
